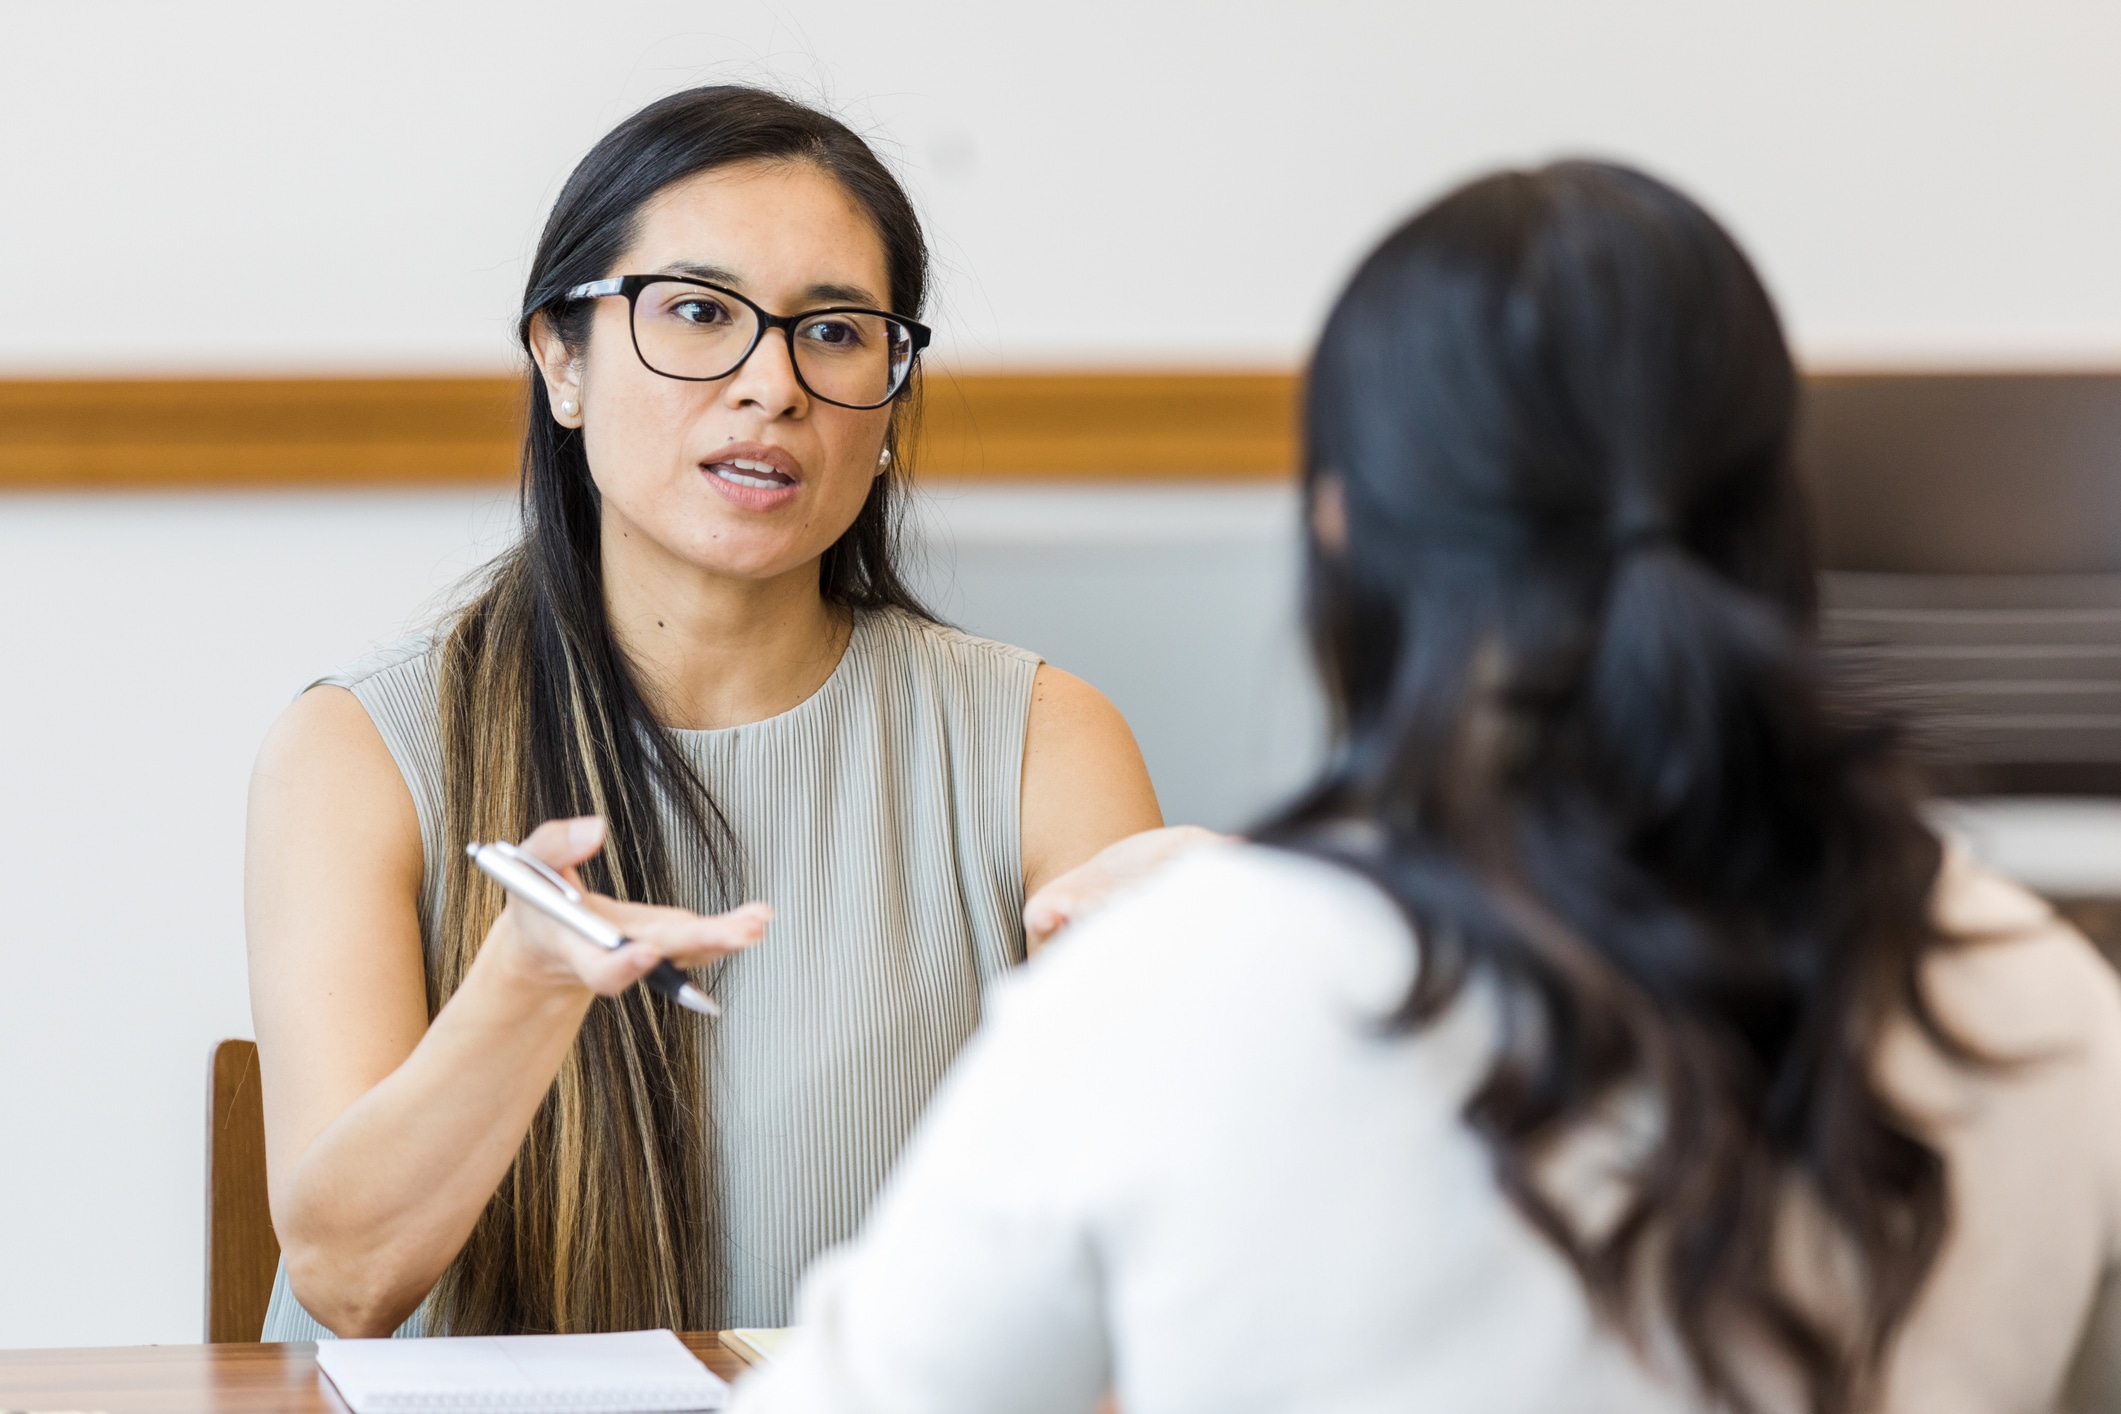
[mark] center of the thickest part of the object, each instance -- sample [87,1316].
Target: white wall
[148,641]
[265,185]
[274,187]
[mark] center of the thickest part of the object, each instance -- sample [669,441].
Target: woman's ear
[883,458]
[559,368]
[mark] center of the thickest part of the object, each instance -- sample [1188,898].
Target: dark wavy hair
[603,1221]
[1588,744]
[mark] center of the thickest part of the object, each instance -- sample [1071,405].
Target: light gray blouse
[880,819]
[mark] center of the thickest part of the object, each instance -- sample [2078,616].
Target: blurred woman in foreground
[1712,1080]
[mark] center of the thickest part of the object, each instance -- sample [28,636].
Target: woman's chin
[749,557]
[718,537]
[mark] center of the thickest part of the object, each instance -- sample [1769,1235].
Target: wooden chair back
[242,1253]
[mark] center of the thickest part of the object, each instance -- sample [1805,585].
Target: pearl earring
[569,407]
[884,459]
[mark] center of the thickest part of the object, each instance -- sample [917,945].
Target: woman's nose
[767,380]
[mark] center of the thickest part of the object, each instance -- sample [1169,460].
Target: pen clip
[551,876]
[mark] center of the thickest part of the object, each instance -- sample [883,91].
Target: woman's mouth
[742,471]
[755,477]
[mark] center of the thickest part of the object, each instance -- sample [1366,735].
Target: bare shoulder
[2017,978]
[1084,782]
[2031,1138]
[2033,998]
[325,727]
[328,807]
[323,777]
[1067,713]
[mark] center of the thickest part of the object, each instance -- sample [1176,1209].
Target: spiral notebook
[628,1372]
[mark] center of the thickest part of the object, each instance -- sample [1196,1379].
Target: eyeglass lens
[684,331]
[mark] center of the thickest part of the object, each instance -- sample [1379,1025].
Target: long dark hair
[1589,747]
[602,1223]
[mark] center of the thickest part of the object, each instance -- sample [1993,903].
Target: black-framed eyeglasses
[699,332]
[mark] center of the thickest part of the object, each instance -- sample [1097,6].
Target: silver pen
[545,889]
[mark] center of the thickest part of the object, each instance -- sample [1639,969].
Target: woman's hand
[1079,891]
[547,953]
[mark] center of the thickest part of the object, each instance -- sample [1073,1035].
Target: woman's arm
[385,1135]
[1085,785]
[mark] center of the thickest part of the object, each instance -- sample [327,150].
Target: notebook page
[627,1372]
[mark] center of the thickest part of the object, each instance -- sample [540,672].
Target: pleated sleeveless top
[880,819]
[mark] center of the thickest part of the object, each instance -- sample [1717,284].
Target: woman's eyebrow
[823,293]
[714,274]
[841,294]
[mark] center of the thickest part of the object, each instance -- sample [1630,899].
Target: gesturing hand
[1079,891]
[552,954]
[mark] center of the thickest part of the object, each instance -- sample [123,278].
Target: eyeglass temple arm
[596,288]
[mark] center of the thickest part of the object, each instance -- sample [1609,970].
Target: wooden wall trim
[1107,425]
[227,432]
[146,433]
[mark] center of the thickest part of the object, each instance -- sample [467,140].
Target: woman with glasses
[699,679]
[1603,1029]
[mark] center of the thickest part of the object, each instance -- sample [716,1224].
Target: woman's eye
[832,333]
[700,311]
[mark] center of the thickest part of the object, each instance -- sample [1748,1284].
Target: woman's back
[1186,1158]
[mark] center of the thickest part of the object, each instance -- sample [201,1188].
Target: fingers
[1071,896]
[1115,867]
[689,939]
[686,939]
[610,973]
[1050,910]
[566,843]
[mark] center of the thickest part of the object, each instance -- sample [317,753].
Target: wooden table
[206,1379]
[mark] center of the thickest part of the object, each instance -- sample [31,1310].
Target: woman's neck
[714,651]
